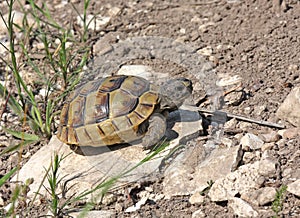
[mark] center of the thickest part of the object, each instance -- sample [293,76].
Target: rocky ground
[251,50]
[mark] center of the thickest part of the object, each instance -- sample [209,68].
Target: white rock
[287,172]
[204,27]
[260,197]
[227,80]
[137,206]
[293,67]
[96,22]
[196,198]
[68,44]
[8,207]
[234,98]
[294,187]
[267,146]
[242,208]
[198,214]
[290,109]
[259,109]
[207,51]
[143,71]
[245,125]
[267,167]
[182,30]
[156,197]
[109,198]
[266,195]
[43,92]
[251,141]
[94,213]
[39,45]
[136,70]
[114,11]
[184,177]
[1,201]
[245,178]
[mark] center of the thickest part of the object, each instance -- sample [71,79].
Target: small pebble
[270,137]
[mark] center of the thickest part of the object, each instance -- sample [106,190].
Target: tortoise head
[174,92]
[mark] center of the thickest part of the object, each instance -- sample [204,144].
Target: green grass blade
[44,11]
[22,135]
[7,176]
[15,147]
[49,117]
[12,102]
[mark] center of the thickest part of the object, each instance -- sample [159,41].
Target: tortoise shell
[107,111]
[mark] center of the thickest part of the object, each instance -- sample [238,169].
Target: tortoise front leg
[156,130]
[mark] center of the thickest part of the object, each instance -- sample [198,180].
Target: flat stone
[89,168]
[242,208]
[290,109]
[294,188]
[191,170]
[251,141]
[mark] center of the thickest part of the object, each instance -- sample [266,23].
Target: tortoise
[120,109]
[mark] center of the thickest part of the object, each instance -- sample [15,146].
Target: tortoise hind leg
[156,130]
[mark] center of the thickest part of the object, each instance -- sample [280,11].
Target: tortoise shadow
[92,151]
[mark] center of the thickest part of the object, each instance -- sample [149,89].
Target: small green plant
[279,198]
[206,190]
[54,181]
[60,65]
